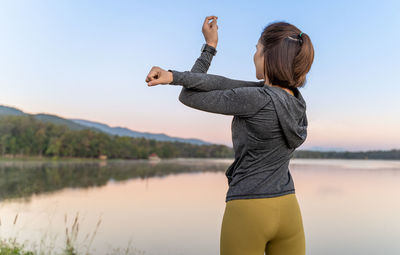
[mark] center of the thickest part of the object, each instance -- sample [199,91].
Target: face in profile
[259,61]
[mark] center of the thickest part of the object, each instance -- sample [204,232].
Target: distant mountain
[60,121]
[80,124]
[121,131]
[6,110]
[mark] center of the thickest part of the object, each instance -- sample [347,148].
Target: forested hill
[24,135]
[80,124]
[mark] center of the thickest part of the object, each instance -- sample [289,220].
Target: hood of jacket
[291,111]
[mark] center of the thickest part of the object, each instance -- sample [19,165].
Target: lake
[176,206]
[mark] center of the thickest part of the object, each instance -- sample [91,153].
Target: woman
[262,213]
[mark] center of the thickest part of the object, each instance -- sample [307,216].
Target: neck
[286,89]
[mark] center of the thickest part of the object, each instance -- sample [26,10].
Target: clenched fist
[158,75]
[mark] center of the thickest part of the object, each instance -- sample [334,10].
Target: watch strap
[209,48]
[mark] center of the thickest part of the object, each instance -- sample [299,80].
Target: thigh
[245,227]
[290,238]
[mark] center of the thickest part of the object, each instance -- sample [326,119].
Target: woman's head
[283,57]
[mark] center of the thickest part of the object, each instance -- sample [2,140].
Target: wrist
[212,44]
[171,76]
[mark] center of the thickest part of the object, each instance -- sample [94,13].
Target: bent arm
[205,82]
[218,94]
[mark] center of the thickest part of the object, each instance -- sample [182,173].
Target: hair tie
[299,38]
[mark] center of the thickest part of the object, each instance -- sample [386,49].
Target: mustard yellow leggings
[254,226]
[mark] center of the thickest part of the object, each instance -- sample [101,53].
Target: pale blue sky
[89,59]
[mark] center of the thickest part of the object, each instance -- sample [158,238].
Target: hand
[210,31]
[158,75]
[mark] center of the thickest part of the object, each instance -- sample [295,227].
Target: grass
[10,246]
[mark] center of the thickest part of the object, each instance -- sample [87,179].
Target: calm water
[176,206]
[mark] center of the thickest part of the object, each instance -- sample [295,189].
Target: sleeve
[242,101]
[208,82]
[203,62]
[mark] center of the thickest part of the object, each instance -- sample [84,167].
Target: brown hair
[287,55]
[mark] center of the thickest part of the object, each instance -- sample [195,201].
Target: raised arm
[207,82]
[201,81]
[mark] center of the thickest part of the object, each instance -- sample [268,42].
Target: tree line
[372,154]
[27,136]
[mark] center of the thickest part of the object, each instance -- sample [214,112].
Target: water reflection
[19,179]
[176,206]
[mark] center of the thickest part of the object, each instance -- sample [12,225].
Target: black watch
[209,48]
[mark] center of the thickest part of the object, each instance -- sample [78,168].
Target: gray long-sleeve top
[268,125]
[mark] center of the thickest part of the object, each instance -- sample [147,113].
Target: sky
[89,60]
